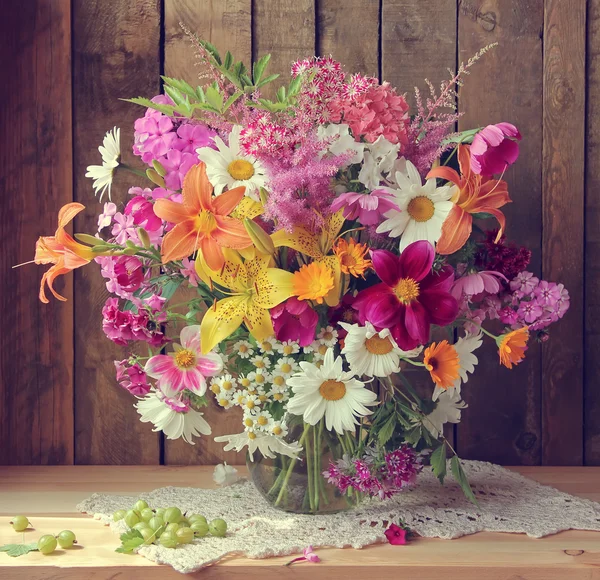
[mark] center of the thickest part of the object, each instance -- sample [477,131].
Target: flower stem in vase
[290,468]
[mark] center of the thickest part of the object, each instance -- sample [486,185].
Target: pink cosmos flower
[143,214]
[295,320]
[105,218]
[368,209]
[396,535]
[494,148]
[476,283]
[309,556]
[186,367]
[192,136]
[129,273]
[410,297]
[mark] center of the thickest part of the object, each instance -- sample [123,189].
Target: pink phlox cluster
[375,477]
[189,272]
[106,217]
[123,326]
[131,376]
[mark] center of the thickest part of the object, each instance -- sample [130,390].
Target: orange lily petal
[212,253]
[47,250]
[180,242]
[225,203]
[464,161]
[231,233]
[67,212]
[446,173]
[172,211]
[71,246]
[501,220]
[48,278]
[456,230]
[197,189]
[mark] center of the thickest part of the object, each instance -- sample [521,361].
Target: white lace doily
[508,502]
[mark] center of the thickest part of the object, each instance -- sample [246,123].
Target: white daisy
[286,366]
[369,352]
[329,392]
[243,349]
[230,167]
[244,381]
[260,362]
[447,410]
[278,428]
[268,445]
[423,208]
[318,350]
[464,346]
[163,413]
[258,377]
[111,155]
[278,380]
[287,348]
[328,336]
[225,475]
[224,401]
[267,346]
[341,142]
[263,419]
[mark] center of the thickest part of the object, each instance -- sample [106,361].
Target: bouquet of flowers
[327,236]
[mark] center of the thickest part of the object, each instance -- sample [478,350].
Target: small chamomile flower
[267,346]
[244,381]
[251,402]
[215,387]
[310,348]
[224,402]
[240,398]
[278,380]
[263,419]
[287,348]
[223,383]
[258,377]
[279,396]
[260,362]
[286,366]
[243,349]
[278,428]
[328,336]
[319,352]
[249,420]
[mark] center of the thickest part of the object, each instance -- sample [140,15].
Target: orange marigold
[313,282]
[442,362]
[512,346]
[352,257]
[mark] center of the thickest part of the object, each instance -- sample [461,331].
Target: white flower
[287,348]
[327,391]
[278,428]
[224,401]
[286,366]
[267,445]
[225,383]
[413,353]
[225,475]
[341,141]
[447,410]
[369,352]
[267,346]
[378,159]
[263,419]
[111,155]
[423,208]
[230,167]
[260,362]
[258,377]
[243,349]
[328,336]
[159,410]
[464,346]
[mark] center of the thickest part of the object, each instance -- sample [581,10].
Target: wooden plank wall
[69,61]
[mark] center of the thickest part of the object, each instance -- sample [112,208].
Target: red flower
[396,535]
[410,297]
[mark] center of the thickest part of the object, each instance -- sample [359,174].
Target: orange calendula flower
[313,282]
[202,222]
[442,362]
[352,257]
[512,346]
[62,251]
[476,194]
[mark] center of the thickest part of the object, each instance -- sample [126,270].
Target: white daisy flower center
[240,169]
[421,208]
[332,390]
[378,345]
[407,290]
[185,359]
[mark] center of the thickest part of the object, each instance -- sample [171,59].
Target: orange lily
[476,194]
[62,251]
[202,222]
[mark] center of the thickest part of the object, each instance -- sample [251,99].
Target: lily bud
[260,238]
[91,240]
[264,195]
[158,167]
[154,177]
[144,237]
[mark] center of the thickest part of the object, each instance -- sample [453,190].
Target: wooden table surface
[48,495]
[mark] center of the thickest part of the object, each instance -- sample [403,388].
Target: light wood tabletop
[48,496]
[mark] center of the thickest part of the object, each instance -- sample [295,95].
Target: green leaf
[387,430]
[180,86]
[16,550]
[438,462]
[259,68]
[129,546]
[142,101]
[482,216]
[214,97]
[413,437]
[212,49]
[232,100]
[228,60]
[462,137]
[246,80]
[295,85]
[461,477]
[281,94]
[267,80]
[170,288]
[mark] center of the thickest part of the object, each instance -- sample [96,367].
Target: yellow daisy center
[245,382]
[313,282]
[322,350]
[286,368]
[420,208]
[279,381]
[332,390]
[267,346]
[250,404]
[262,420]
[240,169]
[185,359]
[260,379]
[327,335]
[262,398]
[278,396]
[287,349]
[378,345]
[251,435]
[260,364]
[277,430]
[227,385]
[248,422]
[223,402]
[205,222]
[243,348]
[407,290]
[215,389]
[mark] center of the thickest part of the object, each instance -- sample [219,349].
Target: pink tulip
[494,148]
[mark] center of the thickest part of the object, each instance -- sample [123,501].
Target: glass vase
[298,485]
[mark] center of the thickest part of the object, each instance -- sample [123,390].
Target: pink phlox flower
[524,282]
[478,282]
[129,273]
[105,218]
[186,367]
[396,535]
[193,136]
[143,214]
[132,378]
[177,164]
[494,148]
[547,293]
[530,311]
[146,192]
[295,320]
[189,271]
[124,228]
[153,137]
[308,556]
[508,315]
[368,208]
[161,193]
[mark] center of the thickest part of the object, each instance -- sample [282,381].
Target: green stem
[317,462]
[290,469]
[309,470]
[132,170]
[478,326]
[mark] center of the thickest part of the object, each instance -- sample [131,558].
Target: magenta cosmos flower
[478,282]
[410,297]
[294,320]
[186,367]
[494,148]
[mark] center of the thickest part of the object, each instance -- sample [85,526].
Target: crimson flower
[396,535]
[494,148]
[410,297]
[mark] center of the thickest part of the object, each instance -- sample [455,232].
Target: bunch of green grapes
[47,543]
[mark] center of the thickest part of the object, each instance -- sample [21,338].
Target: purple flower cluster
[131,376]
[376,478]
[122,326]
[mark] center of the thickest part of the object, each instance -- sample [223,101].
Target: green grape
[185,535]
[20,523]
[119,515]
[196,518]
[199,528]
[146,515]
[131,518]
[66,539]
[160,512]
[148,534]
[168,540]
[47,544]
[172,527]
[218,528]
[155,523]
[141,526]
[140,505]
[172,515]
[184,522]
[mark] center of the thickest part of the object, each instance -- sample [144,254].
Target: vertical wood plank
[563,207]
[502,423]
[337,22]
[226,24]
[36,359]
[592,241]
[116,53]
[285,29]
